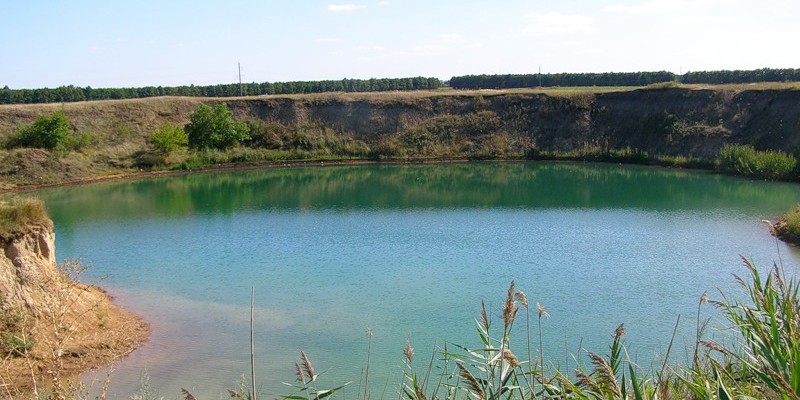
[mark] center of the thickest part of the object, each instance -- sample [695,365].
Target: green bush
[215,128]
[51,132]
[169,138]
[746,160]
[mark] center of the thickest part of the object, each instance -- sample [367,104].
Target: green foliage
[169,138]
[597,154]
[560,79]
[215,128]
[51,132]
[657,80]
[71,93]
[14,345]
[746,160]
[743,76]
[769,324]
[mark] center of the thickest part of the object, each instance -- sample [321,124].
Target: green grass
[788,228]
[747,161]
[17,216]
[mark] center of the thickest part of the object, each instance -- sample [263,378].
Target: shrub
[169,138]
[51,132]
[746,160]
[215,128]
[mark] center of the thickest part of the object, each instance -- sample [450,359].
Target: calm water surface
[408,251]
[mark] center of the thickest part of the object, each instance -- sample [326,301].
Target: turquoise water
[407,251]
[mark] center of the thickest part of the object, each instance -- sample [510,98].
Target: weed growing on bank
[788,228]
[747,161]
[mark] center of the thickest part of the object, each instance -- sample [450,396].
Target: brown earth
[72,327]
[689,121]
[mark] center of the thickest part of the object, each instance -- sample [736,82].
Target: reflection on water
[482,185]
[407,251]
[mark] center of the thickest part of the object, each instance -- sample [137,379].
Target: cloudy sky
[105,43]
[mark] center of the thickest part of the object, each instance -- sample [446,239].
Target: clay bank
[52,326]
[674,122]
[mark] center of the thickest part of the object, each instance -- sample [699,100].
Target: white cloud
[556,23]
[344,7]
[384,3]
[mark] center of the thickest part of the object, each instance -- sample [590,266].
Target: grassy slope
[502,124]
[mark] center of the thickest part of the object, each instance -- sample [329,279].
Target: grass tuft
[18,215]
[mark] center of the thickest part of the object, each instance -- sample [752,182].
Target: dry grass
[18,215]
[529,123]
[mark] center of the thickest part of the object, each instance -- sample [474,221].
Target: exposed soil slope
[693,122]
[70,327]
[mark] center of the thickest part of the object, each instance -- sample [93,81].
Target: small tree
[169,137]
[214,128]
[50,132]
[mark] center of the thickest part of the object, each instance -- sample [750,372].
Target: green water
[408,251]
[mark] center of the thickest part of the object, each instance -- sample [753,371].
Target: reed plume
[408,351]
[484,317]
[187,395]
[299,373]
[520,295]
[510,358]
[509,308]
[604,373]
[473,383]
[307,365]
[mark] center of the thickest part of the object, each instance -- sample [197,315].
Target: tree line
[72,93]
[622,78]
[743,76]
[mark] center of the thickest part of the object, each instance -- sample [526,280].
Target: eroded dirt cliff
[52,326]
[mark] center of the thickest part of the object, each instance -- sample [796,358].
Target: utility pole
[540,76]
[241,89]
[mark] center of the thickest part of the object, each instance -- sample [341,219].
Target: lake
[408,252]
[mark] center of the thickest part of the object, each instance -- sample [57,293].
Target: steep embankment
[52,327]
[484,124]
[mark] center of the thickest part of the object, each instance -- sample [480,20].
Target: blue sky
[139,43]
